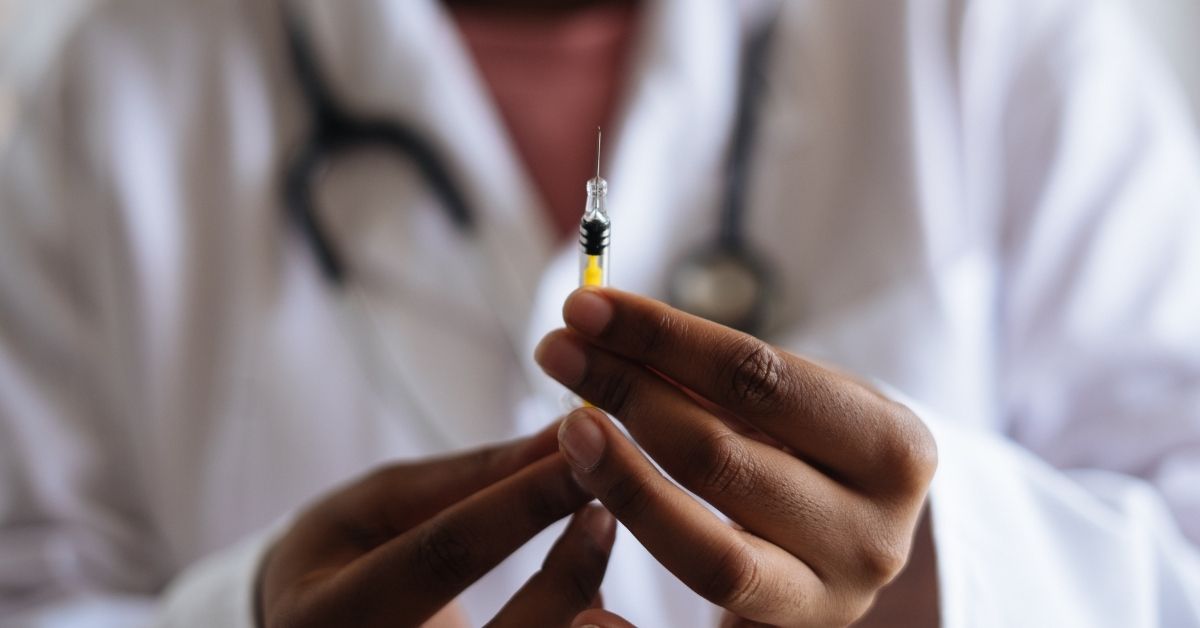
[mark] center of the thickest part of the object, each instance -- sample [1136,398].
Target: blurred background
[1175,25]
[29,28]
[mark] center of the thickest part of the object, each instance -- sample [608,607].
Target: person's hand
[824,477]
[396,547]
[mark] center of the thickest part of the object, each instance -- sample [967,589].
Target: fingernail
[561,358]
[598,524]
[588,311]
[582,440]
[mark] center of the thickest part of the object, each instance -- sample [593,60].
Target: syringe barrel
[594,235]
[593,269]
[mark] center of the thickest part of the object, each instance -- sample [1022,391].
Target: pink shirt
[554,78]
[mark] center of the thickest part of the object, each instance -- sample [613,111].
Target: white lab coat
[991,207]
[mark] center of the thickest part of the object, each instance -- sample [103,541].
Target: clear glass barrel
[593,269]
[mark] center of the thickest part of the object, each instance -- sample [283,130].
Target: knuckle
[721,464]
[582,585]
[880,560]
[912,457]
[617,391]
[654,337]
[850,611]
[735,579]
[445,554]
[628,498]
[544,504]
[756,373]
[486,459]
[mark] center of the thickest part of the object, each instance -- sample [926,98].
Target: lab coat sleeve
[219,590]
[1020,543]
[77,547]
[1100,246]
[1088,523]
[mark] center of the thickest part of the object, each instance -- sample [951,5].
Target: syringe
[594,230]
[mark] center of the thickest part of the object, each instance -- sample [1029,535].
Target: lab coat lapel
[404,61]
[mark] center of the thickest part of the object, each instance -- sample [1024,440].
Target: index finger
[834,421]
[407,493]
[420,571]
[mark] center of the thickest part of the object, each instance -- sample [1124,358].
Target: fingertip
[590,413]
[582,440]
[537,445]
[588,310]
[599,525]
[561,357]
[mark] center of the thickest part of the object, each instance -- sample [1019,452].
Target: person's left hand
[824,477]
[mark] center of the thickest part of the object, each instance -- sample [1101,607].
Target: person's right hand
[396,547]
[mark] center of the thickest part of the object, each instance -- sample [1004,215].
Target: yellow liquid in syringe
[593,274]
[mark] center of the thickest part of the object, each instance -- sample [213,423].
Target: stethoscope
[724,280]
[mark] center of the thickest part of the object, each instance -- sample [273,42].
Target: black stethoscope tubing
[335,131]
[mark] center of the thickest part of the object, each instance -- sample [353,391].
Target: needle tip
[597,152]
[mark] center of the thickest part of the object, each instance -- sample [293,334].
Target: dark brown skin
[825,478]
[396,548]
[910,601]
[912,598]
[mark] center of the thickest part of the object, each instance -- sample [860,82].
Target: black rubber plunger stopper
[593,236]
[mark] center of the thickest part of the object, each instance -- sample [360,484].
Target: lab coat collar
[405,61]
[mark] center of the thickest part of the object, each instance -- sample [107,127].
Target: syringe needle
[597,152]
[594,229]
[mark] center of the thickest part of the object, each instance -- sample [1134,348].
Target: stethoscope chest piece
[726,281]
[726,285]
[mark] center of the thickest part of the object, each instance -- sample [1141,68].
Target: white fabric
[220,589]
[992,206]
